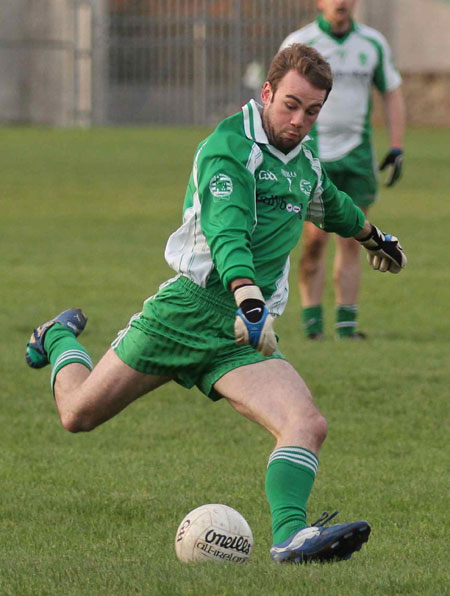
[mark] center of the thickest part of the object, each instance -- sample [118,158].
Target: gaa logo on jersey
[221,186]
[305,187]
[267,175]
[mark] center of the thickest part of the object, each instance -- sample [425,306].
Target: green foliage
[84,220]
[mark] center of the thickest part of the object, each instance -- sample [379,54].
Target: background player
[359,57]
[242,216]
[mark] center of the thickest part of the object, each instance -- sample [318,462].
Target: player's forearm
[342,216]
[395,116]
[365,232]
[233,260]
[240,281]
[227,229]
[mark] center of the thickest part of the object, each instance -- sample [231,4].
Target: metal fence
[82,62]
[191,61]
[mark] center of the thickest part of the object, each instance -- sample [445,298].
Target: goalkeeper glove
[393,161]
[253,323]
[385,252]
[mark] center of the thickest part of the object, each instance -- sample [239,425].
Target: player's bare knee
[76,422]
[314,425]
[320,428]
[303,424]
[71,423]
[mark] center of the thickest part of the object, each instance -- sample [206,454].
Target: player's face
[290,112]
[337,12]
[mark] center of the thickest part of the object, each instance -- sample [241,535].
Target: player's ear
[266,93]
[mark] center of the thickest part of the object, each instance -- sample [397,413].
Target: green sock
[63,348]
[290,477]
[312,318]
[346,315]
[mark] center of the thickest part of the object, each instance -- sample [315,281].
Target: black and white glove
[394,162]
[385,252]
[253,323]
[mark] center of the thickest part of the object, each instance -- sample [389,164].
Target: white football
[216,533]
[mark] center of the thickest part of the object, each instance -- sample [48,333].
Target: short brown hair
[306,61]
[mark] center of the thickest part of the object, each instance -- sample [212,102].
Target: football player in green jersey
[254,182]
[360,58]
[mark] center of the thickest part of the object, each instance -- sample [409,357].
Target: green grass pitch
[84,219]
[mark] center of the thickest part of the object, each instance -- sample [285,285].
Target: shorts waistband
[209,297]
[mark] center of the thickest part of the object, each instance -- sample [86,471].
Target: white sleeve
[387,77]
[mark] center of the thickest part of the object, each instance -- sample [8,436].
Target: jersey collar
[255,132]
[325,26]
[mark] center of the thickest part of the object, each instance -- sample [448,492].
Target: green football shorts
[356,174]
[185,332]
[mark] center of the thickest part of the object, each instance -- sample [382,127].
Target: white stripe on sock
[73,354]
[296,461]
[80,356]
[296,451]
[343,324]
[299,458]
[296,455]
[349,307]
[303,461]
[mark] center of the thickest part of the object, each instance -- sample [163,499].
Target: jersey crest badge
[306,187]
[363,58]
[221,186]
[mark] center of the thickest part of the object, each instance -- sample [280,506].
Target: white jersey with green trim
[244,209]
[359,59]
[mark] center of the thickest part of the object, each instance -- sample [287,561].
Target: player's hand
[385,252]
[253,323]
[394,162]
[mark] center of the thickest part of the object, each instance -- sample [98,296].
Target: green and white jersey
[244,209]
[358,59]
